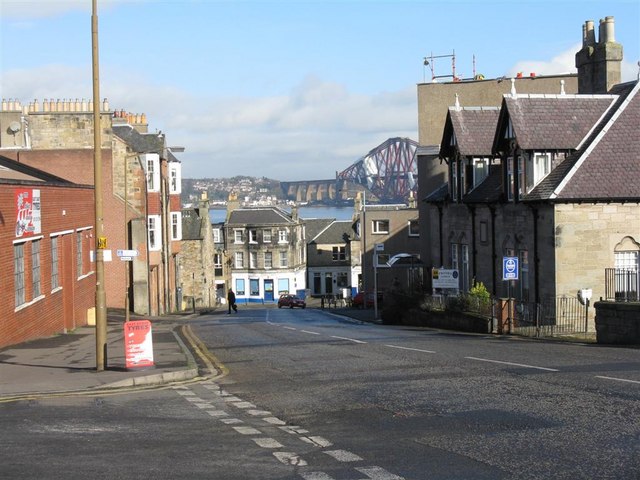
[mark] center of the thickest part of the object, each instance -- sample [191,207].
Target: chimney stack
[598,62]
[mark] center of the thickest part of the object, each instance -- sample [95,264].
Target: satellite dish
[14,127]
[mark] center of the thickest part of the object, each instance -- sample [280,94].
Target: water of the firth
[217,215]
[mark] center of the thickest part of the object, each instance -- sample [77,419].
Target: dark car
[291,301]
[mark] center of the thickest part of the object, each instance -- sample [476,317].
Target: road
[313,396]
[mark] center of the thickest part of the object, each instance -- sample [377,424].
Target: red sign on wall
[28,220]
[138,344]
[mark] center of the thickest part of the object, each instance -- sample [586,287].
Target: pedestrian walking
[231,299]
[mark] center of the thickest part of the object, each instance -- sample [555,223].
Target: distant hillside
[218,189]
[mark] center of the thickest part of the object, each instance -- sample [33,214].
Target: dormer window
[538,167]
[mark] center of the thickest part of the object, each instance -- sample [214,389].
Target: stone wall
[618,323]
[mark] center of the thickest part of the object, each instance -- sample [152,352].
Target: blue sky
[286,89]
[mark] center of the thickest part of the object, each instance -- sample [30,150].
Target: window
[343,279]
[339,254]
[538,166]
[55,277]
[153,227]
[284,259]
[79,263]
[511,180]
[217,260]
[176,225]
[239,260]
[175,180]
[253,259]
[238,236]
[217,236]
[239,286]
[35,269]
[382,259]
[484,228]
[480,170]
[464,270]
[268,260]
[380,226]
[283,236]
[266,236]
[317,283]
[253,235]
[414,230]
[18,274]
[152,167]
[454,257]
[254,287]
[283,285]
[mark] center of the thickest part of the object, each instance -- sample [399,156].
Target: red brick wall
[63,211]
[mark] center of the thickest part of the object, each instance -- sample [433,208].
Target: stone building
[548,179]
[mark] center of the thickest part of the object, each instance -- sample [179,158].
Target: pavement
[66,363]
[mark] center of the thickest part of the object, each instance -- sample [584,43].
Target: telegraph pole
[100,239]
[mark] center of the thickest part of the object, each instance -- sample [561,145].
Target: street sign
[445,278]
[127,253]
[509,268]
[379,247]
[126,259]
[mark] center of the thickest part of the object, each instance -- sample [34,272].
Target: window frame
[238,260]
[176,226]
[377,227]
[411,231]
[175,178]
[154,234]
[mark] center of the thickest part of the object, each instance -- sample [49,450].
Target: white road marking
[247,430]
[231,398]
[289,458]
[513,364]
[274,421]
[409,348]
[307,331]
[230,421]
[617,379]
[317,441]
[290,328]
[258,413]
[377,473]
[343,455]
[185,393]
[349,339]
[267,442]
[316,476]
[194,399]
[217,413]
[204,405]
[294,429]
[242,404]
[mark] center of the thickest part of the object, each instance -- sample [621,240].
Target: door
[268,290]
[328,283]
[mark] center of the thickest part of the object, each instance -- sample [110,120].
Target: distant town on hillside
[250,190]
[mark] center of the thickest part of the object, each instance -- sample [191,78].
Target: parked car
[362,301]
[291,301]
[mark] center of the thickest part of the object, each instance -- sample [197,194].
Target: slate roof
[260,216]
[438,195]
[490,190]
[140,142]
[607,167]
[313,226]
[474,129]
[335,233]
[551,122]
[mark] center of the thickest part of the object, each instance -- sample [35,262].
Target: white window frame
[238,260]
[253,235]
[217,235]
[339,253]
[268,260]
[19,274]
[217,260]
[284,259]
[175,178]
[154,236]
[55,264]
[253,259]
[238,235]
[176,226]
[151,163]
[283,236]
[377,227]
[412,232]
[36,271]
[538,166]
[266,235]
[480,170]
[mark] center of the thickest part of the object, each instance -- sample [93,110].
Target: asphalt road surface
[314,396]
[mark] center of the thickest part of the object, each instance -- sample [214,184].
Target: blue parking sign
[509,268]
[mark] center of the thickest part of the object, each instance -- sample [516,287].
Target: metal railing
[621,285]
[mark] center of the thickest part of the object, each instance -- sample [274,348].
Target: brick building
[46,239]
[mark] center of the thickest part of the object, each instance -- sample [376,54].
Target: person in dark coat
[231,299]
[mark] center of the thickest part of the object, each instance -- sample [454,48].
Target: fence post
[586,315]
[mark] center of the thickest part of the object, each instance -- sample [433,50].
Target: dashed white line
[617,379]
[231,421]
[258,413]
[307,331]
[247,430]
[409,348]
[217,413]
[343,455]
[513,364]
[267,442]
[349,339]
[274,421]
[378,473]
[242,404]
[290,328]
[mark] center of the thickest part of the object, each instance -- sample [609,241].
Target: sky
[286,89]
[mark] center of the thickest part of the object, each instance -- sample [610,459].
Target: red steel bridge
[389,171]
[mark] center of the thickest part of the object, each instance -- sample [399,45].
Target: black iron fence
[621,285]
